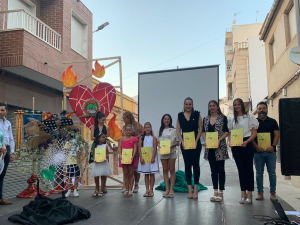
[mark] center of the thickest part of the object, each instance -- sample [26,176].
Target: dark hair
[97,139]
[3,104]
[216,103]
[99,115]
[162,126]
[262,103]
[148,123]
[235,112]
[188,98]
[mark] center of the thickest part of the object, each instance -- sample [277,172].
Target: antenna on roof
[234,20]
[256,13]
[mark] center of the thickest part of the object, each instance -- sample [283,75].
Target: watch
[274,146]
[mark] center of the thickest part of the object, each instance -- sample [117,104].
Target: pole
[121,86]
[297,20]
[32,105]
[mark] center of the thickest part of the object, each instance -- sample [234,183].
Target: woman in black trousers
[215,121]
[190,121]
[243,155]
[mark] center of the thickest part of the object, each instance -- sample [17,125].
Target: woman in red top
[128,142]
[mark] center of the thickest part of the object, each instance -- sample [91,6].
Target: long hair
[99,115]
[162,125]
[235,113]
[188,98]
[148,123]
[97,139]
[132,122]
[217,104]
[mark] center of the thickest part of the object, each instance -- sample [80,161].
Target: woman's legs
[147,177]
[96,179]
[214,173]
[126,176]
[165,166]
[171,164]
[130,171]
[103,182]
[152,181]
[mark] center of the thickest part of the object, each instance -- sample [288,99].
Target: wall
[241,33]
[257,69]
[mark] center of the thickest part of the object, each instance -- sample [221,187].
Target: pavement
[113,208]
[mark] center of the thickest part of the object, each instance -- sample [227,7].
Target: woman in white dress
[168,132]
[148,168]
[243,155]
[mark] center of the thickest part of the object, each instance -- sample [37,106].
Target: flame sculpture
[99,70]
[114,131]
[69,78]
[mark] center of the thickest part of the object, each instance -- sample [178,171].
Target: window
[292,22]
[272,50]
[79,35]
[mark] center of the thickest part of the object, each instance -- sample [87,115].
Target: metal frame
[66,92]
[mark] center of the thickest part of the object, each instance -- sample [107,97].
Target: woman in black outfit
[99,126]
[216,122]
[190,121]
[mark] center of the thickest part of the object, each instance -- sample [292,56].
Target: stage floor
[113,208]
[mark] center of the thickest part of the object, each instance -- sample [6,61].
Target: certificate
[165,147]
[100,153]
[147,154]
[189,140]
[126,156]
[236,138]
[264,140]
[212,140]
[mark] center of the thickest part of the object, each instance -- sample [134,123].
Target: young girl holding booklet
[148,164]
[168,133]
[128,145]
[100,169]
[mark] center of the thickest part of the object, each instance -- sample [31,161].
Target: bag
[1,163]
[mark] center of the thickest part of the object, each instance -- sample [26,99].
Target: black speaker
[289,123]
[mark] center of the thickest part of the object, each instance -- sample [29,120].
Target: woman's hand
[142,160]
[105,160]
[244,144]
[230,145]
[131,159]
[183,146]
[120,157]
[158,145]
[195,144]
[152,160]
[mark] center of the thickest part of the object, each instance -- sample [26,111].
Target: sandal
[151,194]
[125,194]
[130,193]
[136,189]
[242,201]
[218,198]
[213,198]
[146,194]
[248,199]
[171,194]
[165,194]
[100,194]
[96,193]
[104,191]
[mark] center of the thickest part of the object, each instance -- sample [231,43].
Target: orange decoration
[99,70]
[69,78]
[114,131]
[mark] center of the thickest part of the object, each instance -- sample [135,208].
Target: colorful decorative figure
[85,102]
[114,131]
[31,190]
[49,174]
[99,70]
[69,78]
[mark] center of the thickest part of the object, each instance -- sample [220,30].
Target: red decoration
[85,102]
[69,78]
[31,190]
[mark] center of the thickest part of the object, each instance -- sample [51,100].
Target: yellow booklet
[165,147]
[236,137]
[113,141]
[189,140]
[126,156]
[100,153]
[212,140]
[147,154]
[264,140]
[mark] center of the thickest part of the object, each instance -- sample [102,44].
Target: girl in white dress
[100,169]
[149,169]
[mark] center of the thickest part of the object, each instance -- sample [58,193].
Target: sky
[157,35]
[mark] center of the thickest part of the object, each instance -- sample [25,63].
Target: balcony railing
[243,45]
[229,52]
[230,97]
[20,19]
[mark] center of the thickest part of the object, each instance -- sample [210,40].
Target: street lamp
[102,26]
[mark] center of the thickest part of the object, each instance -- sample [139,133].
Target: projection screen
[164,91]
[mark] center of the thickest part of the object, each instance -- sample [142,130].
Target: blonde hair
[129,116]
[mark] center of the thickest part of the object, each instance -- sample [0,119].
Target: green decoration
[49,174]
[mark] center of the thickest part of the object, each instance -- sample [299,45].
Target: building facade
[280,35]
[241,46]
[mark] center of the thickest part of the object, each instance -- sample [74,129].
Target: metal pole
[121,86]
[297,20]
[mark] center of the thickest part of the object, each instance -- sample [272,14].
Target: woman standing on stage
[215,121]
[243,155]
[138,130]
[190,121]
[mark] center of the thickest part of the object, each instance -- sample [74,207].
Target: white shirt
[247,122]
[8,138]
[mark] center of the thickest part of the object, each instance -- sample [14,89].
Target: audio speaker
[289,123]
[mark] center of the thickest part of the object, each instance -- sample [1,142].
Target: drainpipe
[248,75]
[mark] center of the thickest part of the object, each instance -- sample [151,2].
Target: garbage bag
[46,211]
[180,183]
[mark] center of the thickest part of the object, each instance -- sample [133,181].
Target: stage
[113,208]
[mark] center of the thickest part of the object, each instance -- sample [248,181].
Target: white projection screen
[164,91]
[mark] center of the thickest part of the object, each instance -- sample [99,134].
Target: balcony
[229,52]
[243,45]
[22,20]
